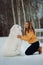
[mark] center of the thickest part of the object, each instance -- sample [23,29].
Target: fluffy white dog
[12,46]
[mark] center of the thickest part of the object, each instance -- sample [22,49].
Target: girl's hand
[18,36]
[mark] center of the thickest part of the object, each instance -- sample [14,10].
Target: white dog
[12,46]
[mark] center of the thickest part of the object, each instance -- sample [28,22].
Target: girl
[30,36]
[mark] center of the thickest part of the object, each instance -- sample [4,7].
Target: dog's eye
[17,26]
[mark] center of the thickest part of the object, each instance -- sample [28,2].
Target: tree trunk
[18,11]
[13,12]
[31,15]
[23,10]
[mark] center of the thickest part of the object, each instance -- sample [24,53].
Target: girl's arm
[23,37]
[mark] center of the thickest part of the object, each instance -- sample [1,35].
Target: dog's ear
[12,29]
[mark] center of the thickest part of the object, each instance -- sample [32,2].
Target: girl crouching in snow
[32,39]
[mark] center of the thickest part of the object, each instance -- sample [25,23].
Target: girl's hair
[29,27]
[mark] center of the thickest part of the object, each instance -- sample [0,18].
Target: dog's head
[16,30]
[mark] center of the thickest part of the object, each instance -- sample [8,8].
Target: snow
[36,59]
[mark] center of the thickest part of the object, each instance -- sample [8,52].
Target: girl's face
[26,25]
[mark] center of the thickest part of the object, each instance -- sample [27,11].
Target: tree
[23,10]
[13,11]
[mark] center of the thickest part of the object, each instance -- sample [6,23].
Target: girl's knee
[28,53]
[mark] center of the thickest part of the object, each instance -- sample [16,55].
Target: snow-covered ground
[35,59]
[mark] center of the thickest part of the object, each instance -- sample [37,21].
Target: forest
[18,11]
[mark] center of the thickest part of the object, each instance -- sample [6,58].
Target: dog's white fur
[12,46]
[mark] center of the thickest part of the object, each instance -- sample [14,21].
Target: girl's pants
[32,49]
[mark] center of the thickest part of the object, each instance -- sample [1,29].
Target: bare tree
[18,11]
[31,18]
[13,11]
[23,10]
[39,10]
